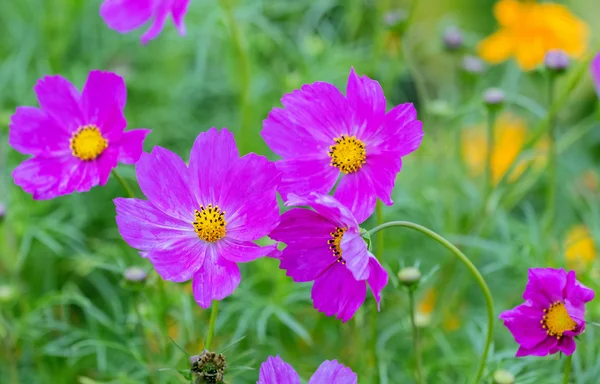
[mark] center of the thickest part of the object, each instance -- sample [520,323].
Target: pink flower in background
[126,15]
[200,221]
[75,138]
[322,134]
[552,315]
[595,69]
[325,246]
[277,371]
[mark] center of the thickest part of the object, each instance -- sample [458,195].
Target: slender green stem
[567,369]
[415,335]
[374,311]
[243,67]
[211,325]
[489,175]
[552,156]
[472,269]
[123,183]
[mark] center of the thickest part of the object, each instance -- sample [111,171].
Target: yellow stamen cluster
[348,154]
[87,143]
[210,224]
[556,320]
[334,243]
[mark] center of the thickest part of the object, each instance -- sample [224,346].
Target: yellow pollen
[87,143]
[348,154]
[334,243]
[556,320]
[210,224]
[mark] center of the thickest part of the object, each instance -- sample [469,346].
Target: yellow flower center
[87,143]
[334,243]
[348,154]
[556,320]
[210,224]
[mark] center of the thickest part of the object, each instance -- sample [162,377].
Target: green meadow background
[68,316]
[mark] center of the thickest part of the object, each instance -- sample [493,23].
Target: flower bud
[394,18]
[135,274]
[2,211]
[409,276]
[493,97]
[208,367]
[503,377]
[472,64]
[556,60]
[453,38]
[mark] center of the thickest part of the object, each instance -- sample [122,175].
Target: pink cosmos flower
[75,138]
[200,221]
[595,69]
[126,15]
[325,246]
[552,315]
[277,371]
[322,134]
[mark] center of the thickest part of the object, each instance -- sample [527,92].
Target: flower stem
[211,325]
[489,176]
[243,67]
[123,183]
[415,335]
[552,156]
[465,260]
[374,312]
[567,369]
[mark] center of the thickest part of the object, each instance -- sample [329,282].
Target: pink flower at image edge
[277,371]
[75,138]
[595,70]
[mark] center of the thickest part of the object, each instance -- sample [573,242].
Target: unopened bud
[135,274]
[556,60]
[2,211]
[493,97]
[503,377]
[394,17]
[208,367]
[453,38]
[409,276]
[472,64]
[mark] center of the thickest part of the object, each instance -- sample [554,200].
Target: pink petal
[145,227]
[164,179]
[400,132]
[33,133]
[126,15]
[213,153]
[367,101]
[306,175]
[277,371]
[378,278]
[328,207]
[243,251]
[107,162]
[103,101]
[181,258]
[566,345]
[161,11]
[355,254]
[356,192]
[179,9]
[46,178]
[382,169]
[332,372]
[545,285]
[336,292]
[216,280]
[595,70]
[59,99]
[523,322]
[132,145]
[542,349]
[251,200]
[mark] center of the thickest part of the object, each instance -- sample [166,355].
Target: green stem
[374,311]
[552,156]
[140,328]
[567,369]
[415,335]
[472,269]
[243,66]
[211,325]
[489,176]
[123,183]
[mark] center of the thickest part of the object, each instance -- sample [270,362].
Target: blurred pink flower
[595,69]
[277,371]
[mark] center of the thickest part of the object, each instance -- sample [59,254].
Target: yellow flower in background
[510,135]
[528,30]
[450,321]
[580,249]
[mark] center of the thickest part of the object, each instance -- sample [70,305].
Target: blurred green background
[66,314]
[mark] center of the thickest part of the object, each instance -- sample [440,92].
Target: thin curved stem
[415,334]
[470,266]
[567,369]
[123,183]
[211,325]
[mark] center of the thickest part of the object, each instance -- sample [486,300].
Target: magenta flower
[552,315]
[320,134]
[199,221]
[126,15]
[595,69]
[277,371]
[325,246]
[75,138]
